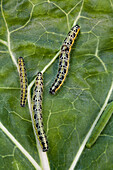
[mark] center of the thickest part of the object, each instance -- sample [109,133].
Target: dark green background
[69,114]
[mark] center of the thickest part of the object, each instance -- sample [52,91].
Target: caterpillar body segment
[23,81]
[64,59]
[37,112]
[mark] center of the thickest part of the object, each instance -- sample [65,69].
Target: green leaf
[35,29]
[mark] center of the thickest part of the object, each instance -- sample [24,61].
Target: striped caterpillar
[23,81]
[64,59]
[37,112]
[100,125]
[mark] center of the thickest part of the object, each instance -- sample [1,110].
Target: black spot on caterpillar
[64,59]
[37,112]
[23,81]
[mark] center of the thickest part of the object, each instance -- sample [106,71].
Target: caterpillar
[100,125]
[37,112]
[64,59]
[23,81]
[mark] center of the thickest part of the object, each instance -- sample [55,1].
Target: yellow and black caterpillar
[64,59]
[23,81]
[37,112]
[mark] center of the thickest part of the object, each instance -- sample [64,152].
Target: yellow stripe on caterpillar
[23,81]
[64,59]
[37,112]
